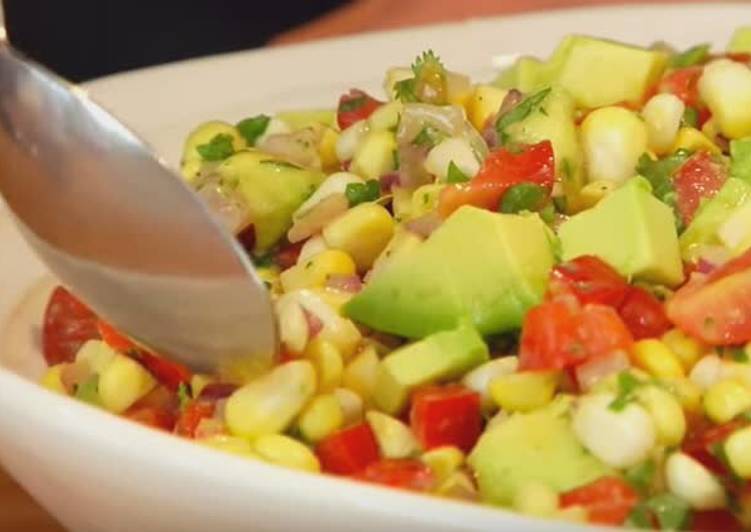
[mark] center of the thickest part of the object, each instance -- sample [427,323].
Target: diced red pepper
[158,409]
[192,415]
[591,280]
[703,521]
[448,415]
[354,106]
[348,451]
[683,82]
[411,475]
[608,500]
[697,180]
[702,440]
[68,324]
[114,338]
[171,374]
[644,314]
[287,256]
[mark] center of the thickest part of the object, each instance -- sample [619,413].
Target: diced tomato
[287,256]
[740,57]
[171,374]
[591,280]
[114,338]
[683,82]
[706,520]
[192,415]
[405,474]
[560,333]
[247,237]
[446,416]
[702,439]
[502,170]
[716,308]
[158,409]
[643,314]
[68,324]
[354,106]
[348,451]
[698,179]
[608,500]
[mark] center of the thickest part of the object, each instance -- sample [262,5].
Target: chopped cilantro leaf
[738,354]
[183,394]
[218,148]
[361,192]
[455,175]
[252,128]
[523,197]
[627,385]
[672,513]
[428,84]
[659,173]
[693,56]
[426,60]
[519,113]
[404,90]
[427,137]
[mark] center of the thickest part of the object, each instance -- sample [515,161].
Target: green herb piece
[523,197]
[690,117]
[281,164]
[659,173]
[183,395]
[641,476]
[455,175]
[547,213]
[427,60]
[218,148]
[740,159]
[88,391]
[672,513]
[693,56]
[519,113]
[738,354]
[361,192]
[627,385]
[404,90]
[427,137]
[252,128]
[640,517]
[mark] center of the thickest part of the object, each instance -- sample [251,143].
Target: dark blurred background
[83,39]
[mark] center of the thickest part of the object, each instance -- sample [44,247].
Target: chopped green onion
[523,197]
[693,56]
[361,192]
[404,90]
[672,513]
[252,128]
[659,173]
[218,148]
[455,175]
[183,395]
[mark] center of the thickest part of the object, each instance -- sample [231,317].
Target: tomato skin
[716,309]
[169,373]
[68,324]
[644,314]
[699,178]
[411,475]
[683,82]
[354,106]
[192,415]
[702,521]
[348,451]
[501,170]
[608,500]
[158,409]
[591,280]
[114,338]
[448,415]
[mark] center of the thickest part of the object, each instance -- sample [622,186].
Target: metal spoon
[120,229]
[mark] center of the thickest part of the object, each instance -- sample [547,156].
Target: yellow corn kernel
[327,361]
[666,412]
[572,514]
[96,354]
[738,452]
[123,382]
[361,373]
[286,452]
[352,406]
[726,399]
[327,149]
[52,379]
[270,277]
[320,418]
[524,391]
[710,129]
[536,499]
[458,485]
[341,332]
[425,199]
[593,192]
[443,461]
[654,357]
[692,139]
[687,393]
[294,330]
[362,232]
[198,382]
[686,348]
[395,439]
[229,444]
[315,271]
[484,102]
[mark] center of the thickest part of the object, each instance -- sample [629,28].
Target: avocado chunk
[441,356]
[529,73]
[740,42]
[272,190]
[478,265]
[631,230]
[740,159]
[536,447]
[712,215]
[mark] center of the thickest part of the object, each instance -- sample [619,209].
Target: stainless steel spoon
[120,229]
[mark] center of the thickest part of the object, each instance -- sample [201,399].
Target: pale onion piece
[663,114]
[386,116]
[351,404]
[593,371]
[706,372]
[395,439]
[274,127]
[95,356]
[479,379]
[692,482]
[326,210]
[312,246]
[333,185]
[350,139]
[294,331]
[619,438]
[299,147]
[230,210]
[336,329]
[452,150]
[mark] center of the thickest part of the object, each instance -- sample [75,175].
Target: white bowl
[96,472]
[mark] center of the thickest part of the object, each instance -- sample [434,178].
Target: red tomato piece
[591,280]
[411,475]
[703,521]
[644,314]
[68,324]
[354,106]
[348,451]
[502,170]
[169,373]
[158,409]
[698,179]
[287,256]
[560,334]
[716,308]
[683,82]
[446,416]
[192,415]
[702,439]
[114,338]
[608,500]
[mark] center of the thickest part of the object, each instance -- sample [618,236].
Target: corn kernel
[361,373]
[229,444]
[287,452]
[341,332]
[456,150]
[327,361]
[425,199]
[572,514]
[666,412]
[687,349]
[484,102]
[725,400]
[443,461]
[362,232]
[707,371]
[123,382]
[479,379]
[692,139]
[294,331]
[458,485]
[524,391]
[738,452]
[687,393]
[662,114]
[192,160]
[316,270]
[351,404]
[96,354]
[536,499]
[52,379]
[710,129]
[657,359]
[321,417]
[395,439]
[327,149]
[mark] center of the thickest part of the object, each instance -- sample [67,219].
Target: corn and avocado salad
[532,293]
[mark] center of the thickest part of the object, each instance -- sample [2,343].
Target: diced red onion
[424,225]
[315,325]
[317,217]
[590,373]
[389,180]
[704,266]
[299,147]
[217,390]
[512,99]
[345,283]
[247,238]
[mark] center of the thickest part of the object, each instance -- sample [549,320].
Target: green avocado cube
[632,231]
[740,42]
[480,266]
